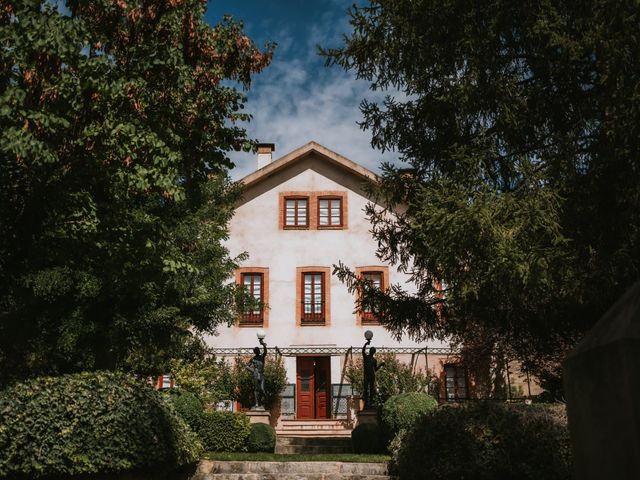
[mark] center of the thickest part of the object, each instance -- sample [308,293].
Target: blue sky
[297,99]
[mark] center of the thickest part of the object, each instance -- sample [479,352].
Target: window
[296,212]
[255,281]
[329,212]
[253,285]
[378,277]
[313,299]
[455,382]
[375,280]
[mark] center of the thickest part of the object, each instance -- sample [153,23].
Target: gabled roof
[303,152]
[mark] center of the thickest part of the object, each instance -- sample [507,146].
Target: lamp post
[368,335]
[261,334]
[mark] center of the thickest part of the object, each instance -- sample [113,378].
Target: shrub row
[485,441]
[88,423]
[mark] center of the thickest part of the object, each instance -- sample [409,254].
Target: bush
[367,438]
[188,406]
[402,411]
[275,379]
[208,378]
[87,423]
[262,438]
[485,441]
[394,378]
[224,431]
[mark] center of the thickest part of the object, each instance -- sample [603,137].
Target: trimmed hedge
[87,423]
[262,438]
[224,431]
[485,441]
[367,438]
[401,411]
[188,406]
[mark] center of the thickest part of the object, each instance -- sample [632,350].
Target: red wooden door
[321,384]
[305,387]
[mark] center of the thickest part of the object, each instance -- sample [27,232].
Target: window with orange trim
[296,212]
[375,279]
[253,284]
[330,212]
[313,298]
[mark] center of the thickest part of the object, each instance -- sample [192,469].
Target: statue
[256,367]
[371,366]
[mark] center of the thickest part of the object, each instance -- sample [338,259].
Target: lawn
[297,457]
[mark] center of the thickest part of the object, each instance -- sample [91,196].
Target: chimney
[264,154]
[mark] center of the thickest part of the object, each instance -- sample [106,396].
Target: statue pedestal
[368,416]
[259,416]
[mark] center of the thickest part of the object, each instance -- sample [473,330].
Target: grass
[297,457]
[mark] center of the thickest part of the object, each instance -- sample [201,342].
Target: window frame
[246,320]
[322,319]
[459,367]
[364,317]
[253,316]
[330,199]
[296,199]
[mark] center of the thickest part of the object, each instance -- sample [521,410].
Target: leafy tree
[275,379]
[210,379]
[394,378]
[520,218]
[115,122]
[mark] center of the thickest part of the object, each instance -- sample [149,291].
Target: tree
[520,123]
[115,122]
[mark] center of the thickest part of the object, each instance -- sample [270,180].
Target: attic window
[329,212]
[296,212]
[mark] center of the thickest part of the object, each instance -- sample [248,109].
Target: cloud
[297,100]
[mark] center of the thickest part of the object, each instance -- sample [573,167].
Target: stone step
[290,476]
[314,433]
[312,449]
[281,469]
[306,440]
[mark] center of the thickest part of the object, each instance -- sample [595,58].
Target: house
[300,215]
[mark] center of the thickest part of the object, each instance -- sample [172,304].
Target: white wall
[254,229]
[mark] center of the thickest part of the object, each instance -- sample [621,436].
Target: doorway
[313,380]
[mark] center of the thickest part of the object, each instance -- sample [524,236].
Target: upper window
[313,297]
[329,212]
[253,284]
[296,212]
[456,382]
[375,280]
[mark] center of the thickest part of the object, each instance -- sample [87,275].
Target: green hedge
[485,441]
[224,431]
[367,438]
[402,411]
[87,423]
[188,406]
[262,438]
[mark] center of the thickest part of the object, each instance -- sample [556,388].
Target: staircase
[313,445]
[313,428]
[221,470]
[313,436]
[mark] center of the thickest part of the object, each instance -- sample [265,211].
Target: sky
[297,99]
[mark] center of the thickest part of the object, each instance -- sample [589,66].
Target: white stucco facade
[256,229]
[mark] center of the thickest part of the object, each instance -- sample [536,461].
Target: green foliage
[393,378]
[87,423]
[208,378]
[224,431]
[275,378]
[262,438]
[367,438]
[486,442]
[402,411]
[115,125]
[187,405]
[519,123]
